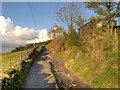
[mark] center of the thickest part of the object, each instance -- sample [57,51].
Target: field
[11,59]
[13,78]
[19,54]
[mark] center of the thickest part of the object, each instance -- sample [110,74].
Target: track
[40,75]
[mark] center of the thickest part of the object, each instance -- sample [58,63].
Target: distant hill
[28,46]
[4,53]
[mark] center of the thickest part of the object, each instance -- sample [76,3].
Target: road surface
[40,75]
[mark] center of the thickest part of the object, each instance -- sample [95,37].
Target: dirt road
[40,75]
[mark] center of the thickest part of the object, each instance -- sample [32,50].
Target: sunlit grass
[105,75]
[14,58]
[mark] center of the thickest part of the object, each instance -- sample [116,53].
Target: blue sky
[37,15]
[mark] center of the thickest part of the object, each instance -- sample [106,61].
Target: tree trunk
[109,18]
[115,16]
[112,26]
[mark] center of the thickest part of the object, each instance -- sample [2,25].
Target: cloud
[13,36]
[42,36]
[5,25]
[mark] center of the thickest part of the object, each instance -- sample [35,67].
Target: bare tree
[56,32]
[69,14]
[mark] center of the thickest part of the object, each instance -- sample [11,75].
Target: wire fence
[17,65]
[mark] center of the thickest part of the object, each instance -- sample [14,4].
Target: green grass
[105,75]
[14,57]
[15,77]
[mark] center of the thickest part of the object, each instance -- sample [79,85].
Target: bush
[73,38]
[98,31]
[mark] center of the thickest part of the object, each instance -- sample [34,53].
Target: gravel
[39,75]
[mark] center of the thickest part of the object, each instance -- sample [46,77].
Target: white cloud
[13,36]
[42,36]
[5,25]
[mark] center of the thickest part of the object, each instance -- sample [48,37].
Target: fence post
[20,56]
[27,52]
[10,63]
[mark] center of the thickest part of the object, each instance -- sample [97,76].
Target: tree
[80,22]
[55,32]
[20,48]
[107,10]
[69,15]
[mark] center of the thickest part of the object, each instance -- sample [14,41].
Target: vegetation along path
[48,71]
[65,79]
[40,75]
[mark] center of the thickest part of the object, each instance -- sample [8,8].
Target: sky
[13,36]
[29,22]
[33,15]
[37,15]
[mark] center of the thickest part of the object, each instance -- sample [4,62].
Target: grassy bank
[13,58]
[16,76]
[95,63]
[104,75]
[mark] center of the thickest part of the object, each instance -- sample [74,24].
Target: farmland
[14,77]
[11,59]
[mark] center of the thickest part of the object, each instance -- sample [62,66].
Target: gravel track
[64,77]
[39,75]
